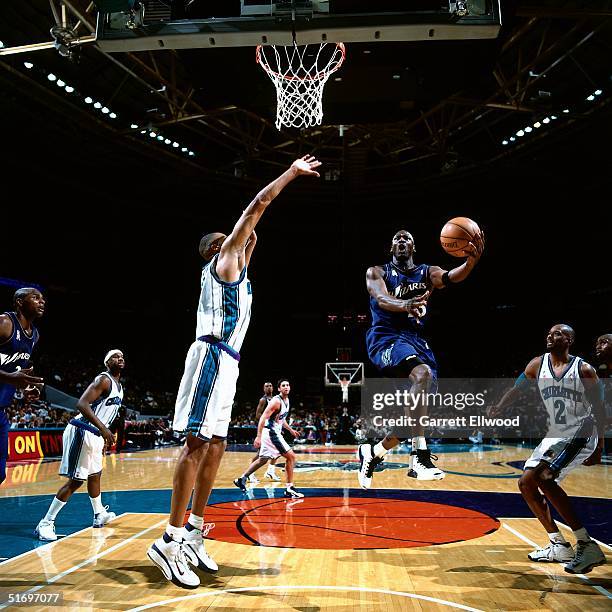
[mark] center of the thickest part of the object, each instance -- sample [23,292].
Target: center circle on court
[339,523]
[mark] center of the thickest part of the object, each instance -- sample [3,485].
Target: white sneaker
[253,479]
[170,558]
[45,531]
[422,467]
[195,551]
[553,553]
[103,518]
[588,555]
[367,464]
[293,493]
[273,476]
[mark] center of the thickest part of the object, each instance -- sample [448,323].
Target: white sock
[271,469]
[582,535]
[196,521]
[176,533]
[557,538]
[379,450]
[96,504]
[54,508]
[419,443]
[289,484]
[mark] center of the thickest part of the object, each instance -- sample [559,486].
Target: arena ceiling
[426,109]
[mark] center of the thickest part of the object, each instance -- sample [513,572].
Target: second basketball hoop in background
[299,74]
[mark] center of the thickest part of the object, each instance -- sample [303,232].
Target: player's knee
[75,484]
[527,482]
[422,375]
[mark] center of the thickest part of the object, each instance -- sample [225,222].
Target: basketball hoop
[299,74]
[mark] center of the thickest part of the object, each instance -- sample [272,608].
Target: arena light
[184,150]
[69,89]
[167,141]
[176,145]
[529,129]
[143,131]
[152,134]
[537,124]
[512,138]
[160,137]
[597,92]
[60,83]
[105,110]
[504,142]
[590,98]
[28,65]
[546,120]
[88,100]
[191,153]
[97,105]
[135,127]
[566,110]
[553,117]
[113,115]
[520,133]
[51,77]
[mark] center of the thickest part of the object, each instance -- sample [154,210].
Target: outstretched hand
[306,165]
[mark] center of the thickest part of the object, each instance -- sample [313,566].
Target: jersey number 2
[560,412]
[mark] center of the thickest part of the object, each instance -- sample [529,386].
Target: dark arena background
[116,159]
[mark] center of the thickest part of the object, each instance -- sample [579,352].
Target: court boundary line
[52,543]
[304,588]
[86,561]
[519,535]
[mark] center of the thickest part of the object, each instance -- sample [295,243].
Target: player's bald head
[210,244]
[566,330]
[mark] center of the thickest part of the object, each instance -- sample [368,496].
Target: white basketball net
[299,74]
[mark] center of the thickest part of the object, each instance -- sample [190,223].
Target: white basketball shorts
[206,393]
[82,453]
[272,444]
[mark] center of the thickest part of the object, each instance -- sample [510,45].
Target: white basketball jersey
[563,397]
[275,422]
[224,309]
[106,408]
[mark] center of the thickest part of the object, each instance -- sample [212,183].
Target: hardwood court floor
[458,543]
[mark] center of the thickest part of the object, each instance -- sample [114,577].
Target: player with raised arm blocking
[572,395]
[206,393]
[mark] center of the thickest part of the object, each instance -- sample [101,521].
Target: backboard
[152,25]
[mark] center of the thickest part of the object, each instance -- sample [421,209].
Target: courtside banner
[24,444]
[457,408]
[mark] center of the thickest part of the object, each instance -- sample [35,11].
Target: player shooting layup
[206,393]
[399,291]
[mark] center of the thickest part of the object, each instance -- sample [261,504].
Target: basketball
[456,234]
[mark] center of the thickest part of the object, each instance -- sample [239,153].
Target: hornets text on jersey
[563,396]
[107,407]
